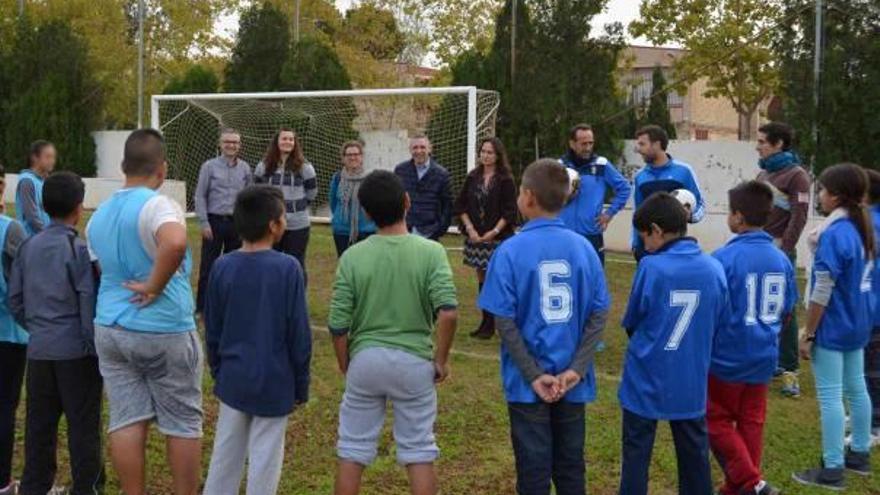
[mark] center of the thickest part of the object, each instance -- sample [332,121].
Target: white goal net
[383,119]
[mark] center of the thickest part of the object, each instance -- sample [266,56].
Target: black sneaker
[831,479]
[858,462]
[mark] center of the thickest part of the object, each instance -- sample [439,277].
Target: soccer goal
[454,119]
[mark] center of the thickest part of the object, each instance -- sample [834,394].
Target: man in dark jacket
[429,189]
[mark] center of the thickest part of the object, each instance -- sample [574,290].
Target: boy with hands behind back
[547,290]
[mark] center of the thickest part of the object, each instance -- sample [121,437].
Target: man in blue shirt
[661,173]
[678,300]
[547,290]
[429,189]
[585,213]
[763,293]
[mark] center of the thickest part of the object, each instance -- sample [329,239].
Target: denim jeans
[691,452]
[548,444]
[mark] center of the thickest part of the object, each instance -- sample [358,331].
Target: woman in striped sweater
[284,167]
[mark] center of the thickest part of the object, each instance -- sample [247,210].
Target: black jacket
[430,198]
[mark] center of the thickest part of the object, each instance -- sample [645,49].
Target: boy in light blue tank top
[150,356]
[13,349]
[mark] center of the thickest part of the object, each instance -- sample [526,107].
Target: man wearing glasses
[220,181]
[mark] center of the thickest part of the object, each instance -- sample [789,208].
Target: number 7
[689,300]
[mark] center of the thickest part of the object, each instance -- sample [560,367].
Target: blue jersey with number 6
[840,255]
[762,294]
[678,301]
[547,279]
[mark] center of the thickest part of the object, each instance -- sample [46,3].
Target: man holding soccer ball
[585,212]
[662,173]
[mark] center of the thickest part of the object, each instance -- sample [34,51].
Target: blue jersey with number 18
[678,300]
[547,279]
[762,294]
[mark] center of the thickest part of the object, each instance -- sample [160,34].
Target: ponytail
[849,183]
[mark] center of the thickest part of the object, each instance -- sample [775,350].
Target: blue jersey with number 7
[547,279]
[678,300]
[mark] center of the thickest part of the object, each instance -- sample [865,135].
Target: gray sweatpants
[241,435]
[376,376]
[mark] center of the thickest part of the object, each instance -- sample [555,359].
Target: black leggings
[294,243]
[12,363]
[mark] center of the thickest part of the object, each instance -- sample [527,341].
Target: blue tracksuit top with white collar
[549,281]
[666,178]
[113,237]
[679,299]
[848,318]
[763,292]
[582,213]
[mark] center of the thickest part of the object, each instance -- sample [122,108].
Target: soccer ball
[686,198]
[574,183]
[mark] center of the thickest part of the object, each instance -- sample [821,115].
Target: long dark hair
[849,183]
[272,159]
[502,165]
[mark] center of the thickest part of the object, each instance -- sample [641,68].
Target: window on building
[701,134]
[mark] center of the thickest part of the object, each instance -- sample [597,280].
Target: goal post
[454,118]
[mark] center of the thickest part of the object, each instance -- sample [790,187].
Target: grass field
[472,426]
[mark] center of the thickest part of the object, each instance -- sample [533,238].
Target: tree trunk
[744,130]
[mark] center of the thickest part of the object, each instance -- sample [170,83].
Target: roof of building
[640,57]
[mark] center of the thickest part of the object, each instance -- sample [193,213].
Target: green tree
[262,47]
[177,32]
[728,43]
[658,110]
[312,65]
[374,30]
[50,95]
[558,75]
[850,86]
[446,28]
[197,79]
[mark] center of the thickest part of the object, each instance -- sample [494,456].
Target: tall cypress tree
[658,109]
[262,47]
[50,94]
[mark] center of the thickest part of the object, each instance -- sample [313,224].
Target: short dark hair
[36,149]
[753,200]
[873,186]
[778,131]
[63,192]
[662,209]
[255,207]
[548,181]
[144,153]
[382,196]
[572,133]
[655,133]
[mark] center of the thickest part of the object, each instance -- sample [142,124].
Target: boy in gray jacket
[52,293]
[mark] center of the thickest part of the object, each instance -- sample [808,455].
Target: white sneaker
[11,489]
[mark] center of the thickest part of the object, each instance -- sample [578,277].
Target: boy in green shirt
[389,291]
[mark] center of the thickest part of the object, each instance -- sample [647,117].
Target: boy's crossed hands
[553,388]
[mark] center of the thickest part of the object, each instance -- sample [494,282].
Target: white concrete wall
[385,149]
[98,189]
[109,146]
[719,166]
